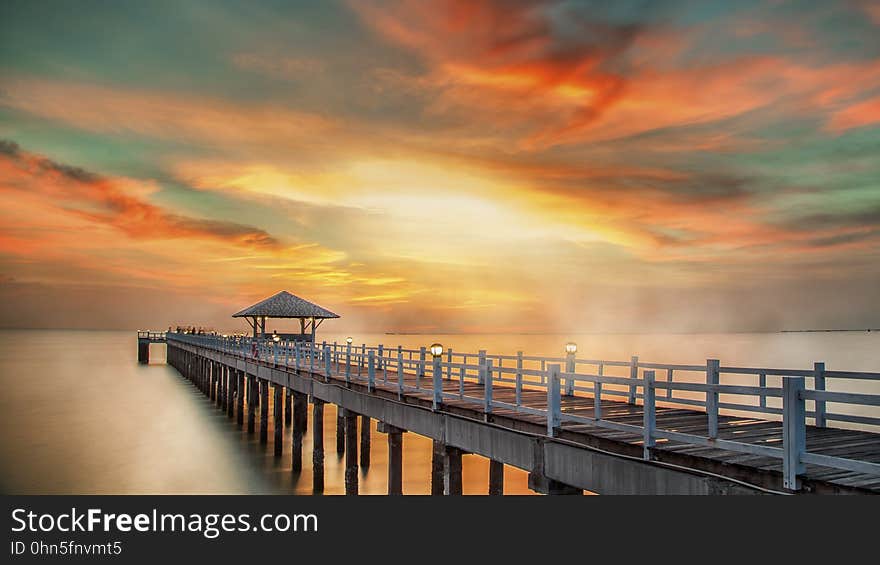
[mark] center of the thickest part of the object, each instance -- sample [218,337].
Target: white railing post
[650,414]
[327,366]
[312,357]
[762,382]
[461,374]
[519,376]
[296,354]
[274,353]
[487,386]
[371,371]
[399,372]
[819,384]
[363,358]
[634,375]
[438,383]
[554,400]
[712,379]
[420,370]
[379,361]
[449,364]
[348,363]
[569,368]
[336,356]
[597,393]
[481,360]
[794,431]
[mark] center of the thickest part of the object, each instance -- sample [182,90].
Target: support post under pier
[252,403]
[239,397]
[366,429]
[300,417]
[395,457]
[351,453]
[496,477]
[437,455]
[317,446]
[452,471]
[278,428]
[264,411]
[340,430]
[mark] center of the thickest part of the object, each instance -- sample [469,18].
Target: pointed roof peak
[285,305]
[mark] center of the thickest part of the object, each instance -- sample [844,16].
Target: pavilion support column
[300,417]
[317,445]
[252,403]
[239,396]
[264,411]
[340,430]
[288,394]
[452,471]
[351,453]
[437,464]
[496,477]
[366,429]
[278,427]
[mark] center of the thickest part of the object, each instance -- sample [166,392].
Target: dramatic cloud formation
[447,164]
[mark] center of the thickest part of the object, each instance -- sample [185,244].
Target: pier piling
[278,427]
[239,390]
[317,445]
[365,441]
[143,351]
[452,471]
[300,417]
[228,376]
[340,431]
[264,411]
[252,403]
[437,464]
[395,460]
[351,453]
[496,477]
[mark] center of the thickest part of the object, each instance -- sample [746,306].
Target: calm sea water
[79,415]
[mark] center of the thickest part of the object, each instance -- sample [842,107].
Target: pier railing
[770,394]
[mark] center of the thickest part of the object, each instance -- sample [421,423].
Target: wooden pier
[617,427]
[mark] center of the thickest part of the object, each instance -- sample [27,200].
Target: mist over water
[79,415]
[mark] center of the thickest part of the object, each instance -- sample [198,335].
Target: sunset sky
[442,166]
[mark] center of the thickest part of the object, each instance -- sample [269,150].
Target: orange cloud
[158,114]
[509,67]
[113,202]
[858,115]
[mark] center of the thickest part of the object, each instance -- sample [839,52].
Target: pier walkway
[617,427]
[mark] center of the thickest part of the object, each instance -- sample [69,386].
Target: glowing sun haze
[442,166]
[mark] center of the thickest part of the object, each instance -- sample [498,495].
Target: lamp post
[436,351]
[570,349]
